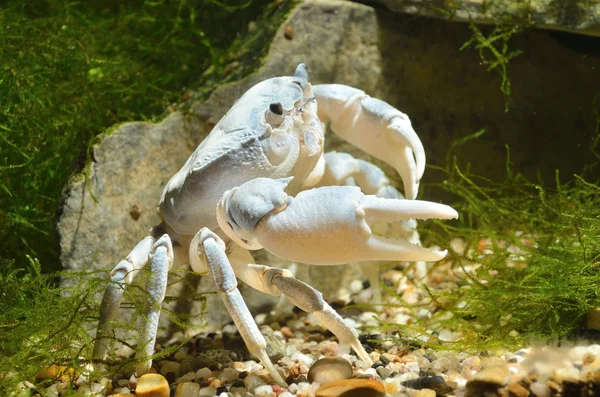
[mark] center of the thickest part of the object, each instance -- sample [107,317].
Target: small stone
[169,366]
[122,390]
[215,384]
[187,389]
[330,369]
[516,390]
[539,389]
[252,382]
[424,393]
[229,374]
[436,383]
[494,375]
[207,392]
[152,385]
[356,286]
[383,372]
[352,388]
[180,355]
[190,376]
[287,333]
[263,391]
[133,381]
[203,373]
[235,390]
[384,359]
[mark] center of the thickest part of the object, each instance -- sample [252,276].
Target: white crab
[245,188]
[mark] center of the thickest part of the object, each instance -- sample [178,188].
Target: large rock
[413,63]
[568,15]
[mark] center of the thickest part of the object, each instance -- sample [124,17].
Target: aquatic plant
[71,70]
[528,264]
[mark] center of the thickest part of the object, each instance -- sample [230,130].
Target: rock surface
[413,63]
[569,15]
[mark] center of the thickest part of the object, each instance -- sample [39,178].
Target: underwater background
[505,102]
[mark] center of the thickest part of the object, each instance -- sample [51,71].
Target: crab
[261,179]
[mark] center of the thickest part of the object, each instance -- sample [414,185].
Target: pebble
[424,393]
[187,389]
[152,385]
[207,392]
[539,389]
[203,373]
[330,369]
[352,388]
[263,391]
[251,382]
[516,390]
[169,366]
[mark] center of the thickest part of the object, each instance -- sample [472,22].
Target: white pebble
[260,318]
[229,329]
[207,392]
[121,390]
[264,390]
[356,286]
[190,376]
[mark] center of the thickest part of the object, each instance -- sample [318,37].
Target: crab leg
[161,262]
[275,281]
[120,277]
[211,250]
[376,127]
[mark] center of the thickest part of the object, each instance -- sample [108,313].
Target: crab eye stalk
[275,114]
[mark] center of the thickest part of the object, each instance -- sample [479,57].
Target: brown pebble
[553,386]
[289,33]
[286,332]
[352,388]
[424,393]
[516,390]
[152,385]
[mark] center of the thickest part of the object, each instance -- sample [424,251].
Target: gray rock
[569,15]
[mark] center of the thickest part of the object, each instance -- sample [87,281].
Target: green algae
[530,267]
[70,70]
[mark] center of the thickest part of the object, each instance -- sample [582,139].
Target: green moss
[42,325]
[530,269]
[72,69]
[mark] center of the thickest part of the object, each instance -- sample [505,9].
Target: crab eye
[276,108]
[275,114]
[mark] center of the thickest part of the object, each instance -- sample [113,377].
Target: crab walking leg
[213,249]
[376,127]
[120,277]
[275,281]
[160,263]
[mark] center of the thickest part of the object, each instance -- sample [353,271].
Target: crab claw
[330,225]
